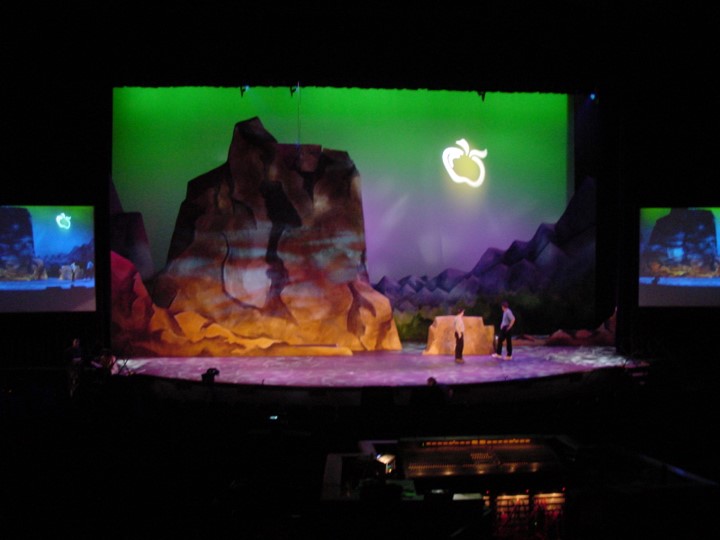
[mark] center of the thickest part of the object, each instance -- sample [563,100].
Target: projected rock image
[682,244]
[679,260]
[267,258]
[47,259]
[17,249]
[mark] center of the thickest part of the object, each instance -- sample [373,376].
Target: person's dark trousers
[459,344]
[504,336]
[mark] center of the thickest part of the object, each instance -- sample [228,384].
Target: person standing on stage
[508,321]
[459,326]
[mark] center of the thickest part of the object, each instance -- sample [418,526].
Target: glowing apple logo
[63,221]
[453,153]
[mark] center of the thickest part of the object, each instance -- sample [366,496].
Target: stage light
[388,460]
[244,88]
[593,96]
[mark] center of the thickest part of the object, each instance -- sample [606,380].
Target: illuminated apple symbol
[451,155]
[63,221]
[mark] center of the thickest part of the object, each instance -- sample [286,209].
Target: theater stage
[343,380]
[274,435]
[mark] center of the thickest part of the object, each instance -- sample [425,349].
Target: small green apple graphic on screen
[455,154]
[63,221]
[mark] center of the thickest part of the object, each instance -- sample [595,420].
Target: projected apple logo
[454,154]
[63,221]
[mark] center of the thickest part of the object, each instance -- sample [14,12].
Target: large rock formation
[17,247]
[267,258]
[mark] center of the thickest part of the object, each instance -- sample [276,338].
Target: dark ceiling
[563,46]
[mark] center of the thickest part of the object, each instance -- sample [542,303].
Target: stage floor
[408,367]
